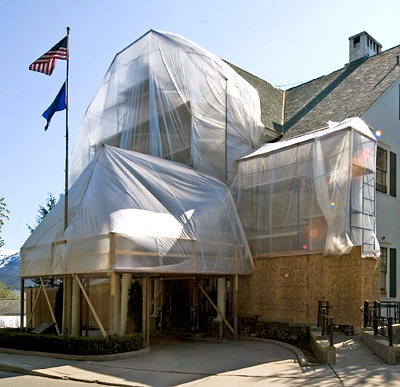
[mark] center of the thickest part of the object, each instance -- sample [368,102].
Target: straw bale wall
[288,288]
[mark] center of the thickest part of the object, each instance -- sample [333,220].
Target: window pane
[381,170]
[383,268]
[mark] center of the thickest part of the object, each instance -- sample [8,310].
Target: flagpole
[66,138]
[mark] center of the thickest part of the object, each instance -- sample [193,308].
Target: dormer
[363,45]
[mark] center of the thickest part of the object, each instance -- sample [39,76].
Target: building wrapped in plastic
[311,193]
[135,213]
[167,97]
[171,134]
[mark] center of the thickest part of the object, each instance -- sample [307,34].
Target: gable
[347,92]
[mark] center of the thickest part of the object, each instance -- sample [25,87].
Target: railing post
[331,331]
[323,311]
[390,331]
[375,319]
[397,313]
[366,313]
[319,314]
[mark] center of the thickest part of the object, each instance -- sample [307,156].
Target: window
[356,40]
[392,177]
[393,273]
[383,269]
[386,167]
[381,170]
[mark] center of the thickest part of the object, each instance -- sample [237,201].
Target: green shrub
[70,345]
[134,321]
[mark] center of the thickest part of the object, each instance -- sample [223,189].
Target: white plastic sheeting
[165,96]
[315,192]
[132,212]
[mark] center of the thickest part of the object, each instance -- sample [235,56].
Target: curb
[28,371]
[98,358]
[298,352]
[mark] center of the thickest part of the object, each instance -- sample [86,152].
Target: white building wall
[384,115]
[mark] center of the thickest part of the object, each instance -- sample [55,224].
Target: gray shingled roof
[345,93]
[271,100]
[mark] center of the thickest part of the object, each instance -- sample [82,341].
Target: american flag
[47,62]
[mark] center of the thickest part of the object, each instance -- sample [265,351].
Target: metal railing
[325,321]
[381,316]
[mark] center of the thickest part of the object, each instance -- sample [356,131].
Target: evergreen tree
[3,215]
[44,210]
[134,321]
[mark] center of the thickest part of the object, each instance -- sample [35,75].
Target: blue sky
[285,43]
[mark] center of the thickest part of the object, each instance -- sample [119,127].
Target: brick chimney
[363,45]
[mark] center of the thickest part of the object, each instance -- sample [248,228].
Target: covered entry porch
[204,305]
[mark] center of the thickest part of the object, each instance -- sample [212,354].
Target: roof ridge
[253,75]
[331,96]
[346,66]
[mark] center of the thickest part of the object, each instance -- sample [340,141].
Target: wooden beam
[91,306]
[155,298]
[34,307]
[216,308]
[63,242]
[49,305]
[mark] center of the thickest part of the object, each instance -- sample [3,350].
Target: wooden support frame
[155,298]
[49,305]
[218,311]
[33,308]
[77,279]
[192,252]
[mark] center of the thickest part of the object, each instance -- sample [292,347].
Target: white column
[117,304]
[76,308]
[68,294]
[156,300]
[126,285]
[22,305]
[221,298]
[221,304]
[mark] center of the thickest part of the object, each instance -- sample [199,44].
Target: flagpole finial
[68,29]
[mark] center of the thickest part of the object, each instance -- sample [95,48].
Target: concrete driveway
[180,362]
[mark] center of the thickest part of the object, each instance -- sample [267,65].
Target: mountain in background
[9,269]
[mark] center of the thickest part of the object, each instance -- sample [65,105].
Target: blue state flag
[58,104]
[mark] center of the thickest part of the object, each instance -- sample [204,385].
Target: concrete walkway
[174,362]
